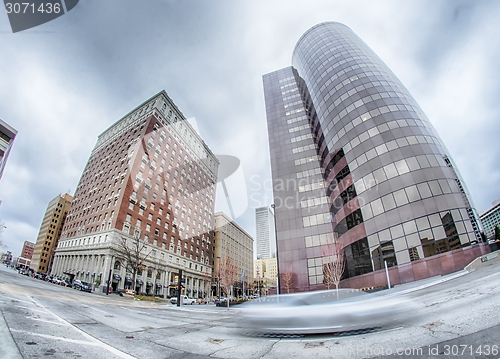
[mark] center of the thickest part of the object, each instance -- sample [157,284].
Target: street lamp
[273,206]
[218,277]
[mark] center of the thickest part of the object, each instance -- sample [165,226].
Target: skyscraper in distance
[265,239]
[356,161]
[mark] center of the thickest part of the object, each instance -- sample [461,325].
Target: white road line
[92,339]
[76,341]
[31,309]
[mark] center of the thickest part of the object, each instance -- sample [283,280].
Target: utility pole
[179,283]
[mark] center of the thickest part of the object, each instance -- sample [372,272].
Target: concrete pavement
[8,347]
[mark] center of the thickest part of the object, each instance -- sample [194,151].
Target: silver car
[322,312]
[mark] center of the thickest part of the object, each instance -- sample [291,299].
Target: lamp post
[273,206]
[218,277]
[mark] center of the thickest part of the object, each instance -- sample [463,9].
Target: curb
[8,347]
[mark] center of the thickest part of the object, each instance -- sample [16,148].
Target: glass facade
[354,159]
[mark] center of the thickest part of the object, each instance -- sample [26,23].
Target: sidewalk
[8,348]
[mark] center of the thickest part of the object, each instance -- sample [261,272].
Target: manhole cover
[215,341]
[433,325]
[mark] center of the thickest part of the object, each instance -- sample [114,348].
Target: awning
[128,280]
[158,285]
[195,291]
[188,290]
[139,282]
[149,284]
[117,277]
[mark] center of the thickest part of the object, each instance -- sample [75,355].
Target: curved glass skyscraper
[355,160]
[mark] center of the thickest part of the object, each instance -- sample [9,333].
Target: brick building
[149,184]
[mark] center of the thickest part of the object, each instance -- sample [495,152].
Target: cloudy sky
[64,82]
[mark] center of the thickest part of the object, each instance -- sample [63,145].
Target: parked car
[65,283]
[185,300]
[83,286]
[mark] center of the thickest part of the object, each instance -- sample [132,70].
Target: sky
[64,82]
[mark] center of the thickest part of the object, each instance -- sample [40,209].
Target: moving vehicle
[326,311]
[83,286]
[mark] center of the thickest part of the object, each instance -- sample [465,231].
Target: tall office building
[49,233]
[7,136]
[233,241]
[265,239]
[355,160]
[143,209]
[491,219]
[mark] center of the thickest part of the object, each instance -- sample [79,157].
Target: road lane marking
[92,339]
[31,309]
[44,321]
[47,336]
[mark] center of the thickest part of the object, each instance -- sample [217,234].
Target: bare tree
[333,264]
[287,278]
[228,275]
[133,252]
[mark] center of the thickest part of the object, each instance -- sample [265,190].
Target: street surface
[453,318]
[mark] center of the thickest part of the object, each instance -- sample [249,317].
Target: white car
[321,312]
[185,300]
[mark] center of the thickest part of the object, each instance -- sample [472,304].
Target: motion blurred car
[82,286]
[322,312]
[185,300]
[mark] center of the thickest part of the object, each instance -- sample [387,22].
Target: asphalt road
[453,317]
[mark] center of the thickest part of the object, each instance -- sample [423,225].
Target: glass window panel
[392,145]
[403,257]
[455,213]
[410,227]
[400,197]
[412,140]
[369,181]
[422,223]
[445,187]
[412,193]
[388,202]
[360,186]
[377,207]
[460,227]
[468,226]
[383,127]
[366,211]
[438,232]
[362,159]
[390,170]
[381,149]
[432,160]
[373,240]
[379,175]
[373,131]
[422,161]
[397,231]
[424,190]
[413,240]
[412,163]
[435,220]
[426,234]
[371,154]
[435,188]
[384,236]
[402,167]
[402,142]
[399,244]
